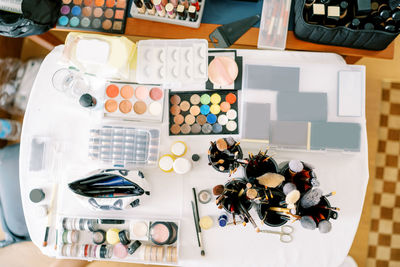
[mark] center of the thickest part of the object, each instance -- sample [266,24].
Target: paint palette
[93,15]
[124,145]
[172,61]
[203,112]
[134,102]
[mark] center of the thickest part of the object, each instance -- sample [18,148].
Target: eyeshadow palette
[134,101]
[125,145]
[93,15]
[186,13]
[172,61]
[203,112]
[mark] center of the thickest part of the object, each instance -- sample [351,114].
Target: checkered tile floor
[384,236]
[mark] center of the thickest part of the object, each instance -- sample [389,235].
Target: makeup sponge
[289,187]
[292,197]
[296,165]
[223,71]
[311,198]
[324,226]
[308,222]
[270,179]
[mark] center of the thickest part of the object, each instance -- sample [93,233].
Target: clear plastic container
[274,24]
[79,243]
[125,146]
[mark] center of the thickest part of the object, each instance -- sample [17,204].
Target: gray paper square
[335,135]
[302,106]
[256,121]
[272,78]
[289,133]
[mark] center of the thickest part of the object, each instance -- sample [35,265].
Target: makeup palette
[93,15]
[187,13]
[134,102]
[172,61]
[203,112]
[119,239]
[125,145]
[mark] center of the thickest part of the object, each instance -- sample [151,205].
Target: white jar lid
[182,166]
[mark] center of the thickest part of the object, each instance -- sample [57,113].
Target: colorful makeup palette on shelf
[93,15]
[134,102]
[203,113]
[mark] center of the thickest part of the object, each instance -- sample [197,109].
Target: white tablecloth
[51,114]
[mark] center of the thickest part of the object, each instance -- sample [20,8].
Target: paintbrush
[196,224]
[50,215]
[198,219]
[247,214]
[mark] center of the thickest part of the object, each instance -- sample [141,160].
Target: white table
[51,114]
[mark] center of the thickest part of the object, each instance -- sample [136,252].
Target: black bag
[38,16]
[340,36]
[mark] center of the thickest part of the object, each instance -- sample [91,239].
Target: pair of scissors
[285,233]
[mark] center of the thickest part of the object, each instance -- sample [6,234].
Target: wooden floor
[377,70]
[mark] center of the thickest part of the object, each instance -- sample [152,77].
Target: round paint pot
[120,251]
[99,237]
[36,195]
[223,71]
[160,253]
[178,148]
[166,163]
[106,251]
[206,222]
[204,196]
[223,220]
[112,236]
[182,166]
[174,235]
[160,233]
[139,230]
[123,237]
[134,246]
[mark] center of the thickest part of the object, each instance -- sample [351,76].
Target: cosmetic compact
[163,233]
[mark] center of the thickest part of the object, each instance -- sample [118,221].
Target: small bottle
[181,12]
[368,26]
[159,7]
[170,10]
[10,129]
[140,6]
[384,11]
[150,7]
[223,220]
[390,25]
[333,16]
[396,16]
[374,5]
[185,3]
[343,9]
[354,24]
[196,4]
[362,8]
[192,13]
[316,13]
